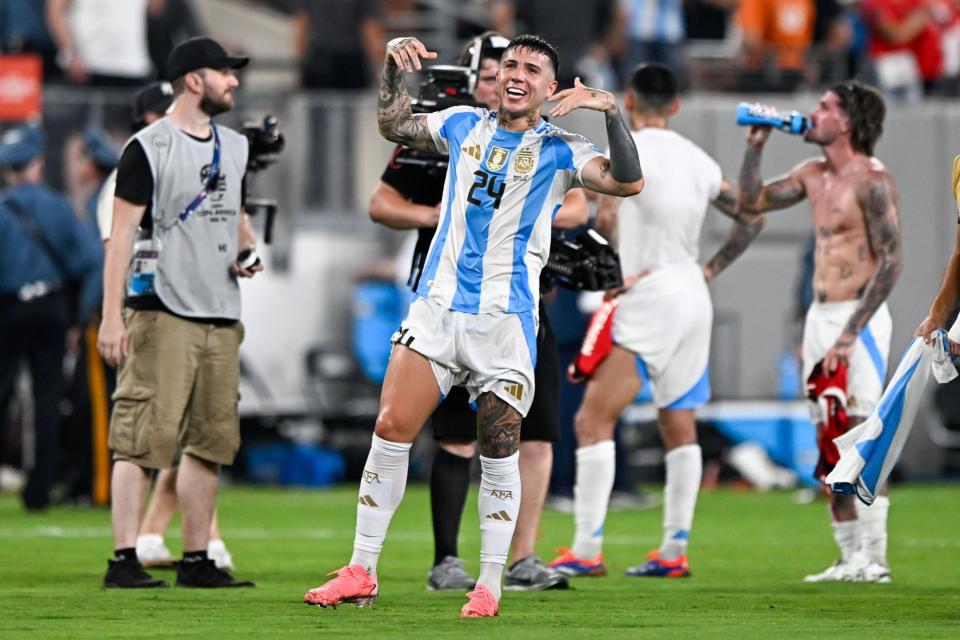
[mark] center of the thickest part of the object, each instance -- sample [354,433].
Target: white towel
[869,451]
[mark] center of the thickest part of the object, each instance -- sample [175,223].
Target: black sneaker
[124,574]
[203,574]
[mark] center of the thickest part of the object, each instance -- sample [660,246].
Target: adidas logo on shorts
[516,390]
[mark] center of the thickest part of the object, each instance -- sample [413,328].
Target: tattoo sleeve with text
[878,199]
[498,427]
[624,161]
[395,116]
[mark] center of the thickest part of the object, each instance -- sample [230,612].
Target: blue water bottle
[749,114]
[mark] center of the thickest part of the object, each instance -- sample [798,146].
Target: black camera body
[446,86]
[266,142]
[586,263]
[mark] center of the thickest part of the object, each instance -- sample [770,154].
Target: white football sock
[499,505]
[684,471]
[845,535]
[381,490]
[596,466]
[873,529]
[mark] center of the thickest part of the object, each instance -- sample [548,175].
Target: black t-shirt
[420,185]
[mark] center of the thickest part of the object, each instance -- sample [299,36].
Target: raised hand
[407,52]
[757,135]
[581,97]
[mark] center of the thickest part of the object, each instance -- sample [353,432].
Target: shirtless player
[857,261]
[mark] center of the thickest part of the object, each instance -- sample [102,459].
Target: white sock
[684,471]
[381,490]
[845,535]
[873,529]
[596,466]
[499,505]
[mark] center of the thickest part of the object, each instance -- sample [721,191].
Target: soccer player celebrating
[661,328]
[475,319]
[857,260]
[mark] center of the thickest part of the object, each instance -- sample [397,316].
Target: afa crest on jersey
[523,161]
[497,158]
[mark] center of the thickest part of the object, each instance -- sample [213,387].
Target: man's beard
[212,107]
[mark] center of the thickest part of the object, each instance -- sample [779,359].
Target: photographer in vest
[180,181]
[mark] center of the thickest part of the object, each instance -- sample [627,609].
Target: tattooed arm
[498,427]
[779,193]
[395,117]
[747,226]
[877,196]
[620,174]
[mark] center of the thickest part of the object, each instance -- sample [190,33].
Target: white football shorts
[867,369]
[666,319]
[485,352]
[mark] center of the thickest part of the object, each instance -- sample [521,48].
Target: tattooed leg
[499,498]
[498,427]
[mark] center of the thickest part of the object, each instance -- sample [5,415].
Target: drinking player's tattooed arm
[779,193]
[746,227]
[877,197]
[395,116]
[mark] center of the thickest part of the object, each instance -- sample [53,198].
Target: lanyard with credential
[212,177]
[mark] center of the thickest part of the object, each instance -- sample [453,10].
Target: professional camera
[445,86]
[585,263]
[266,143]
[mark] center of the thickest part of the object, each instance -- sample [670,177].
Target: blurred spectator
[655,33]
[44,250]
[24,30]
[101,42]
[169,22]
[833,38]
[708,19]
[776,37]
[905,47]
[584,34]
[950,39]
[340,43]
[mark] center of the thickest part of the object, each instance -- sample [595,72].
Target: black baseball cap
[156,97]
[201,53]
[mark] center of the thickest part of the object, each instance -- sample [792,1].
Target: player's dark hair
[536,44]
[655,87]
[865,107]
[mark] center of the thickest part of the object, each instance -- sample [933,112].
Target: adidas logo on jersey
[368,501]
[473,151]
[516,390]
[500,515]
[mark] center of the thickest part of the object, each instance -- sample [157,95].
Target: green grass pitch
[748,554]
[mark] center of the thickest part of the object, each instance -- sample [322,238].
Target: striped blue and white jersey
[502,190]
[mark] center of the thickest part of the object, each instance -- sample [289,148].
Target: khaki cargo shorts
[178,387]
